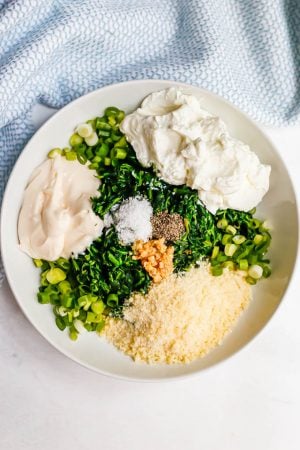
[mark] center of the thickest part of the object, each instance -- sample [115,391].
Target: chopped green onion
[230,229]
[250,280]
[243,264]
[90,317]
[92,139]
[71,156]
[215,262]
[115,162]
[37,262]
[216,271]
[75,140]
[252,259]
[89,153]
[54,152]
[255,223]
[103,150]
[43,297]
[222,223]
[226,238]
[92,122]
[111,111]
[113,153]
[101,124]
[55,275]
[104,133]
[221,257]
[87,306]
[120,116]
[115,137]
[84,130]
[82,159]
[81,149]
[82,315]
[230,249]
[83,300]
[78,325]
[112,300]
[266,272]
[66,300]
[258,238]
[121,142]
[63,263]
[73,334]
[121,153]
[64,287]
[43,278]
[60,323]
[107,161]
[112,121]
[229,265]
[93,166]
[238,239]
[215,252]
[255,271]
[98,307]
[100,326]
[61,310]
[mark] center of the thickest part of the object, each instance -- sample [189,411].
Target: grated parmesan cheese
[182,318]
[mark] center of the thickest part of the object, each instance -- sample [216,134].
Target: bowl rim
[175,377]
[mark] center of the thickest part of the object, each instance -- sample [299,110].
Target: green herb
[107,268]
[98,281]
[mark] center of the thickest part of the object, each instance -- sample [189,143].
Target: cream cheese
[188,145]
[56,218]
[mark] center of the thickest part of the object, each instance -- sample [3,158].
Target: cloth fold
[52,51]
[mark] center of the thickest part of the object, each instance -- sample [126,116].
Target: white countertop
[252,401]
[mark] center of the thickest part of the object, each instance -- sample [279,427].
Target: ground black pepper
[168,226]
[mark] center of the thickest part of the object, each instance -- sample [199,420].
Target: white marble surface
[252,401]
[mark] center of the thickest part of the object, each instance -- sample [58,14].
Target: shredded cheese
[182,318]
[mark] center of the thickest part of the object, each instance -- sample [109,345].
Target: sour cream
[188,145]
[56,218]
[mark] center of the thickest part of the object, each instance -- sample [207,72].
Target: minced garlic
[156,258]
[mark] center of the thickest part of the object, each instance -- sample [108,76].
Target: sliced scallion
[75,140]
[55,275]
[230,249]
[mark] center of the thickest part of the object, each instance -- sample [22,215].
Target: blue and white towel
[52,51]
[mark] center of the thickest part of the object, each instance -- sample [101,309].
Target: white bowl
[278,206]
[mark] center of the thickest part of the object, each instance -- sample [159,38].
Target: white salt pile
[132,219]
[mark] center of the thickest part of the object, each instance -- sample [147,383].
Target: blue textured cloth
[52,51]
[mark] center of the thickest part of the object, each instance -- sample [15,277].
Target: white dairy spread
[188,145]
[56,217]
